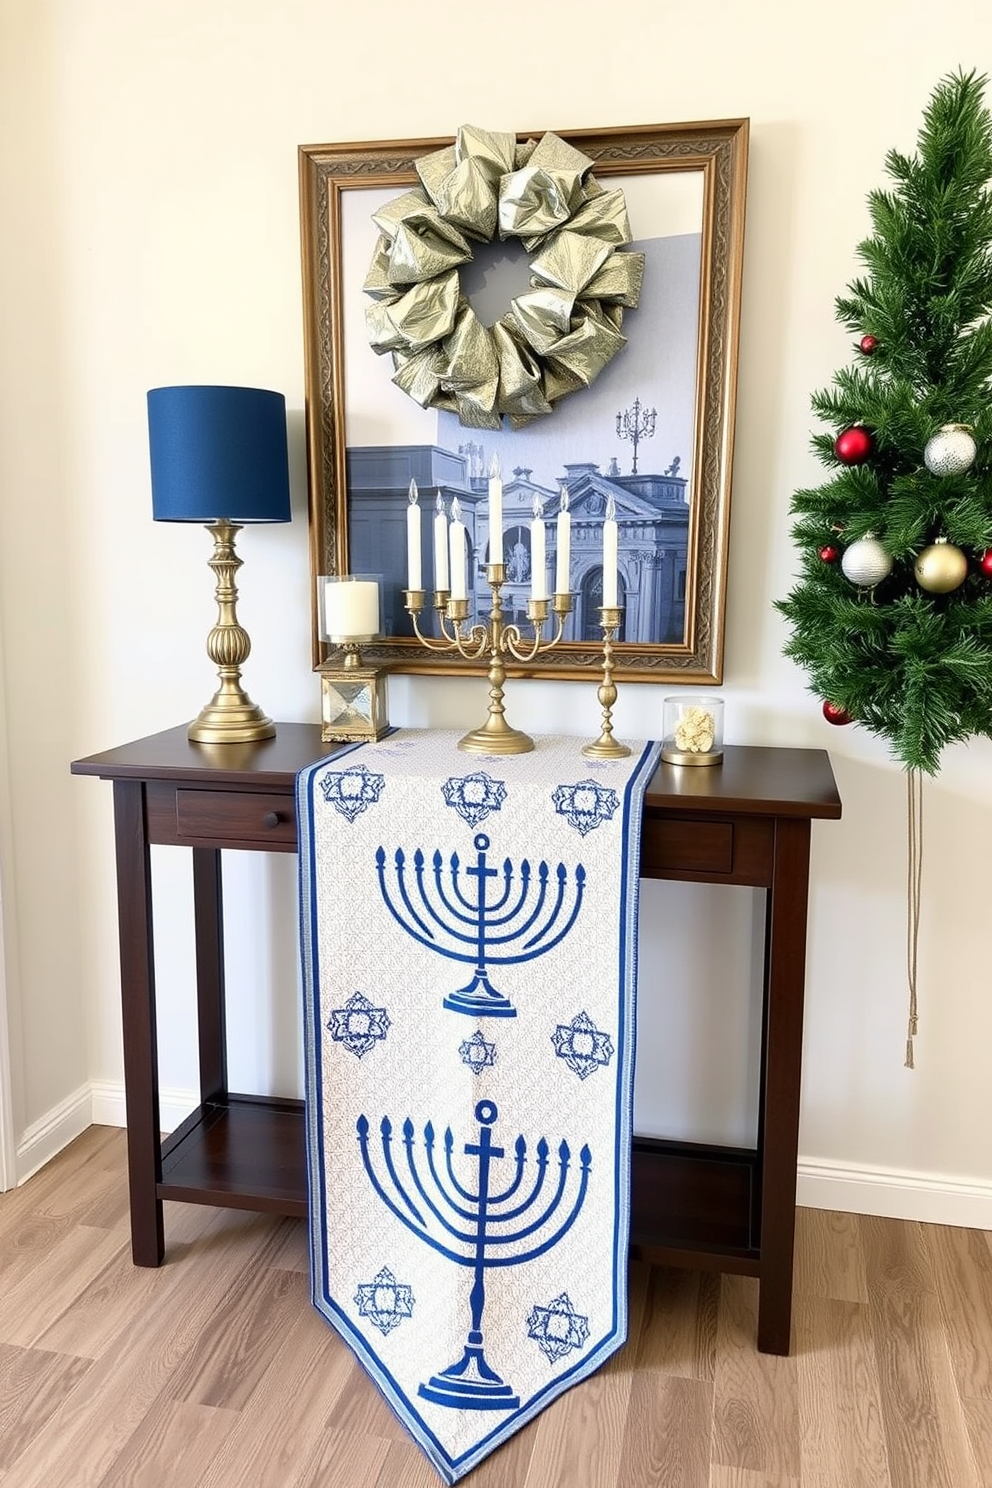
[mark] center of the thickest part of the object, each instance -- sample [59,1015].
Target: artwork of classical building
[652,513]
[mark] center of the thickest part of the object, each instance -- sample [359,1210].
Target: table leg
[211,1016]
[778,1135]
[134,911]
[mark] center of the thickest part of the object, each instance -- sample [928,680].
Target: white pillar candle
[563,558]
[440,545]
[495,512]
[414,574]
[538,555]
[459,553]
[610,556]
[351,608]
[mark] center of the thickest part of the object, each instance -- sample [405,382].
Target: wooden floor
[215,1371]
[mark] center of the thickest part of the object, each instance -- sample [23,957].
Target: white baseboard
[55,1130]
[895,1193]
[109,1108]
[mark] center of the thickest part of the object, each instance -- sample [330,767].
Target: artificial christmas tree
[910,456]
[897,634]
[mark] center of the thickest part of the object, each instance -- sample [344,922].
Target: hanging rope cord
[914,784]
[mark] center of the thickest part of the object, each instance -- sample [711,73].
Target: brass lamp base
[230,719]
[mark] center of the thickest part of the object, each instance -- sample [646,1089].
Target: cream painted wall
[149,195]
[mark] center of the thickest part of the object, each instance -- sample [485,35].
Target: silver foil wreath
[558,335]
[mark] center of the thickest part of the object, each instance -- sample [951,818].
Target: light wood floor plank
[978,1419]
[667,1439]
[679,1336]
[742,1477]
[829,1260]
[33,1383]
[961,1262]
[171,1446]
[926,1434]
[235,1348]
[755,1403]
[283,1432]
[841,1429]
[95,1421]
[30,1308]
[352,1458]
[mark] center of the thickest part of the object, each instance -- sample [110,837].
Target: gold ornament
[941,567]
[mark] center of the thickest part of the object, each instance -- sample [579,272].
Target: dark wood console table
[745,822]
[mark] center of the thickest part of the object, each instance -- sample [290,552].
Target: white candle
[351,608]
[538,555]
[495,512]
[440,545]
[563,559]
[414,575]
[458,553]
[610,556]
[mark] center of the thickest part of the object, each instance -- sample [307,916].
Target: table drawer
[681,845]
[236,816]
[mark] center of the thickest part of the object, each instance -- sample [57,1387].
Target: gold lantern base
[352,700]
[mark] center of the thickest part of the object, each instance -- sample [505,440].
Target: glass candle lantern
[692,730]
[352,692]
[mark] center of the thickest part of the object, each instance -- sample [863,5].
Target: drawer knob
[271,819]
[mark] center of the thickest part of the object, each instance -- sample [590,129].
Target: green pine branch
[911,666]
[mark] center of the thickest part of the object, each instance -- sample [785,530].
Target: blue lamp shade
[218,452]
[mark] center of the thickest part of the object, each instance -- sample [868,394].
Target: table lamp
[219,456]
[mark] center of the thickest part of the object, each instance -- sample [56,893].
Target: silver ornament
[865,562]
[951,451]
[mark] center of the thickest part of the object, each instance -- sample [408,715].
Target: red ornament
[867,344]
[985,563]
[834,713]
[854,445]
[829,553]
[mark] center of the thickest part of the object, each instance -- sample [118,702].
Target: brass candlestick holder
[493,638]
[606,747]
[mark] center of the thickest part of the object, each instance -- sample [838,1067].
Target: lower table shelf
[249,1152]
[239,1152]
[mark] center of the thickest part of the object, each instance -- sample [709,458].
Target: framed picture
[654,432]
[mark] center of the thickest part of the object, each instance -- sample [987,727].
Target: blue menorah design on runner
[471,1383]
[446,922]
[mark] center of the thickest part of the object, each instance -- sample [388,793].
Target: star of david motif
[384,1301]
[474,796]
[585,805]
[352,791]
[358,1025]
[477,1053]
[557,1328]
[582,1045]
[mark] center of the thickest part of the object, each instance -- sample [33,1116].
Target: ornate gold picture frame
[665,407]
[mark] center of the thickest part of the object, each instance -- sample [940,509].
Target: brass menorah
[496,639]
